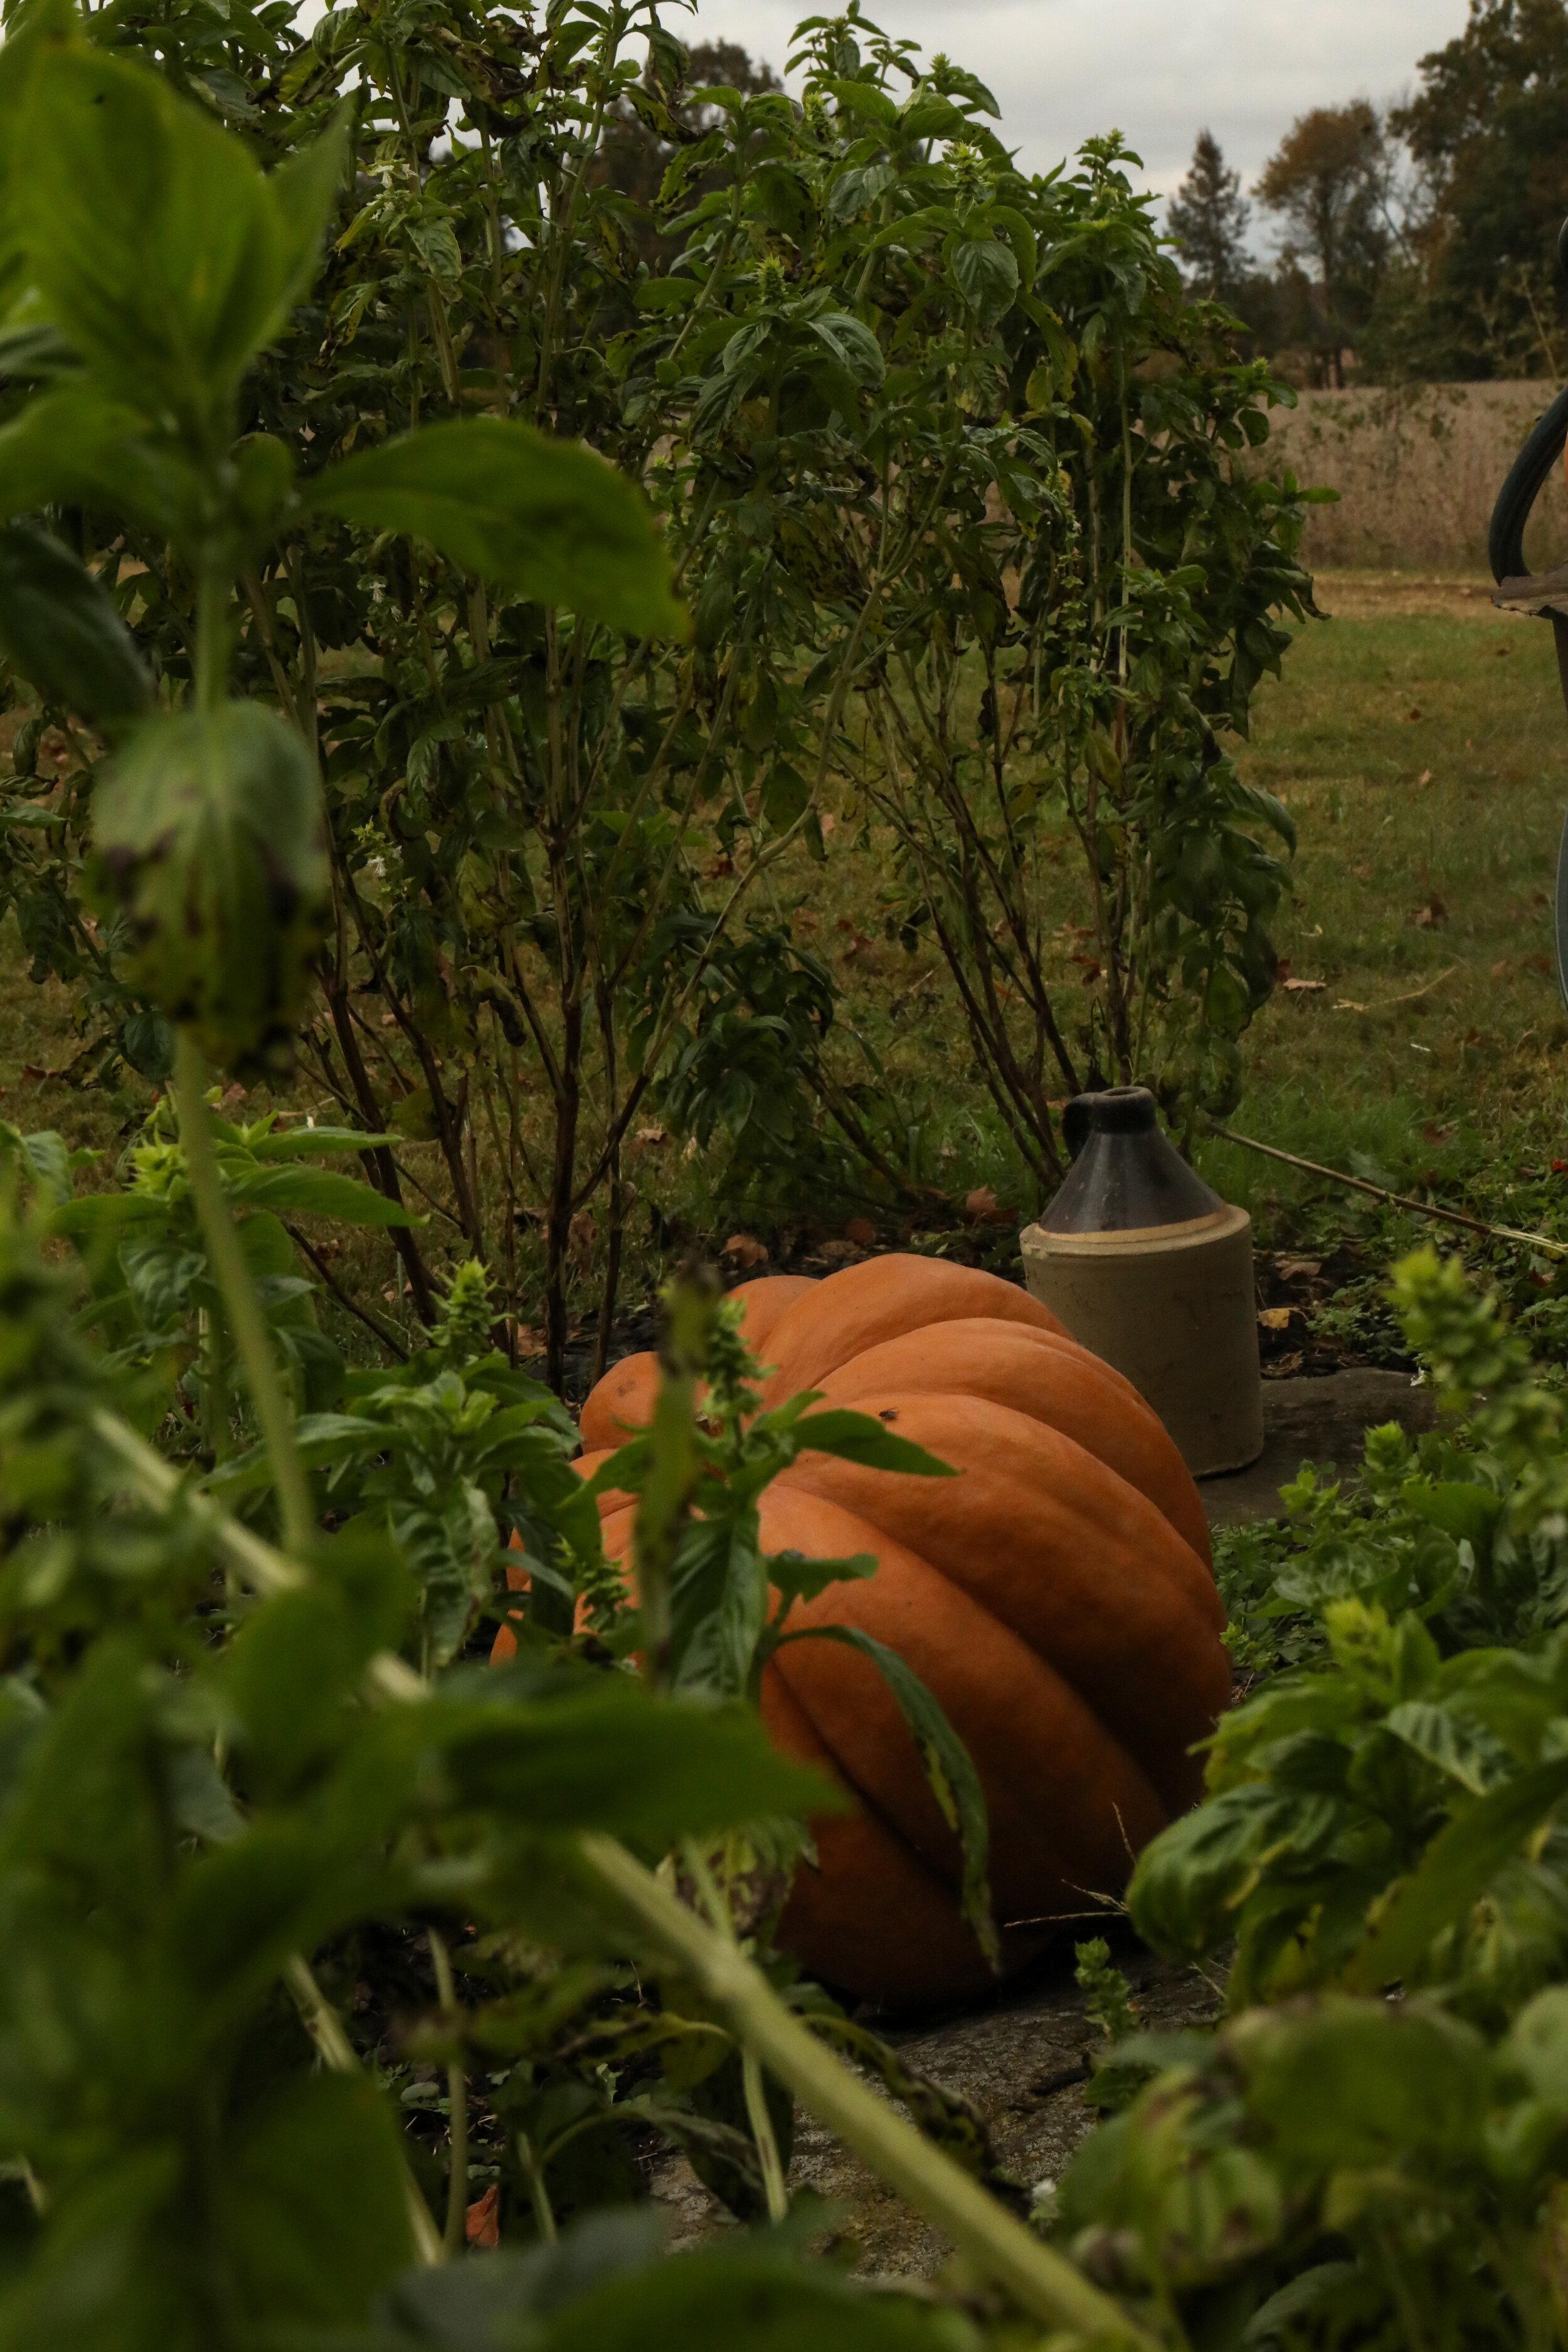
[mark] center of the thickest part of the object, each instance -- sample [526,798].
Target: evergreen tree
[1208,217]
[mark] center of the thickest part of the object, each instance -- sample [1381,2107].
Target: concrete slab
[1321,1421]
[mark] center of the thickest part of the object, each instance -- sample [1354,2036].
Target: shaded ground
[1021,2063]
[1323,1420]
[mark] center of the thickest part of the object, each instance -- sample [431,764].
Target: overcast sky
[1156,69]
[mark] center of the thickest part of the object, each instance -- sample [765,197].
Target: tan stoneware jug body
[1153,1271]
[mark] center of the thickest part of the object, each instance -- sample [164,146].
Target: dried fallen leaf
[1427,918]
[484,2218]
[648,1139]
[1304,987]
[829,825]
[1298,1269]
[581,1234]
[1349,1005]
[1425,777]
[983,1208]
[1275,1318]
[746,1249]
[1499,968]
[861,1231]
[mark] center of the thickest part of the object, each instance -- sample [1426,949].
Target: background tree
[1488,134]
[1208,217]
[663,114]
[1328,183]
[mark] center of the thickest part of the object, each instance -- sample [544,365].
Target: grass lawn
[1419,739]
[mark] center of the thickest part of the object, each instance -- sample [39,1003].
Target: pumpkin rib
[1067,1805]
[934,1950]
[868,1915]
[881,1298]
[614,1498]
[621,1403]
[1052,1380]
[624,1399]
[766,1300]
[1066,1553]
[1030,1735]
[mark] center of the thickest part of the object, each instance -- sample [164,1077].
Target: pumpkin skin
[624,1399]
[881,1298]
[1052,1381]
[1055,1596]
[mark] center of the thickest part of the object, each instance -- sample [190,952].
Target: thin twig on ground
[1398,1200]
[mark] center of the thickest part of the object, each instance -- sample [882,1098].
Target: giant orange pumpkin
[1056,1596]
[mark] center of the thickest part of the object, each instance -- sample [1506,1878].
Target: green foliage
[1330,1788]
[1107,1994]
[1372,2145]
[435,1459]
[821,336]
[206,836]
[1337,2172]
[148,2073]
[233,1778]
[60,628]
[153,1295]
[552,524]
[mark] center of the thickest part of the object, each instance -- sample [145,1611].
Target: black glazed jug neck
[1126,1173]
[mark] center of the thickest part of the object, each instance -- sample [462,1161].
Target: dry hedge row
[1417,470]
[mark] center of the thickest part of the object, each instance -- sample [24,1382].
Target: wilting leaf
[208,835]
